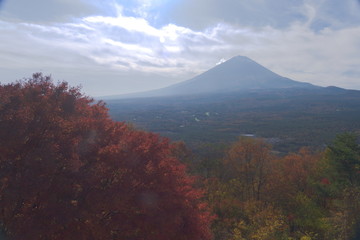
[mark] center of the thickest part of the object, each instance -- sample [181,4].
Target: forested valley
[69,171]
[257,194]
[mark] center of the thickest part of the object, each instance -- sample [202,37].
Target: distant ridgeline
[240,97]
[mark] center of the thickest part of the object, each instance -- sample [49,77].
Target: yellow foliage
[305,238]
[263,223]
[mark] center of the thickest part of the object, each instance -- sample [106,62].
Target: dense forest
[68,171]
[256,194]
[287,118]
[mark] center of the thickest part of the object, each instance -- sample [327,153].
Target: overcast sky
[122,46]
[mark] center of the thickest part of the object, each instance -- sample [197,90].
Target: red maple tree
[67,171]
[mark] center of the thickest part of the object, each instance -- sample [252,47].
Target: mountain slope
[237,74]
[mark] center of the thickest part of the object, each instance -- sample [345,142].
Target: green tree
[341,166]
[344,153]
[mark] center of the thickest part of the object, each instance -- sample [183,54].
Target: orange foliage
[291,175]
[248,161]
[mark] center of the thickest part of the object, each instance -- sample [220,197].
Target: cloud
[331,14]
[317,57]
[113,51]
[43,11]
[201,14]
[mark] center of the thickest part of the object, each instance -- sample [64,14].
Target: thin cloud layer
[121,48]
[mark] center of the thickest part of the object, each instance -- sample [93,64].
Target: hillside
[241,97]
[238,74]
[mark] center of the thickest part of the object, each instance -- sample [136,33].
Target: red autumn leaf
[69,172]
